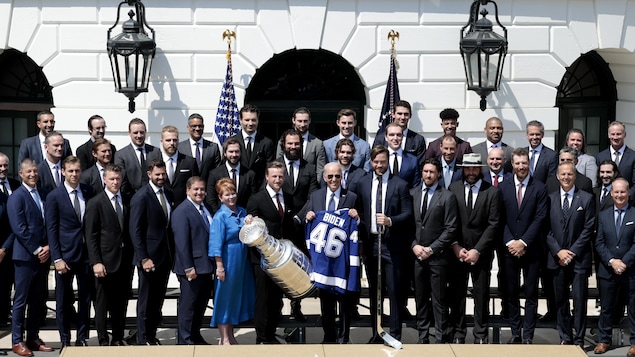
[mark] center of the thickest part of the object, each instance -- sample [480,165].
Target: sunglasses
[331,176]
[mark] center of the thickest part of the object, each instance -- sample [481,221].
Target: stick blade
[391,341]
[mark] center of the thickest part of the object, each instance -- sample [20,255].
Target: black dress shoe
[515,340]
[528,342]
[81,343]
[298,315]
[480,341]
[423,341]
[548,317]
[117,343]
[355,315]
[406,315]
[375,340]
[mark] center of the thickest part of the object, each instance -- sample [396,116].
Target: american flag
[392,93]
[227,123]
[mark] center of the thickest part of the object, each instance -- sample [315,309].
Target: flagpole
[227,123]
[391,96]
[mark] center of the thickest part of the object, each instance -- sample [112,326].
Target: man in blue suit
[572,221]
[7,275]
[190,225]
[617,151]
[543,161]
[451,172]
[150,210]
[413,142]
[50,169]
[401,163]
[31,259]
[33,147]
[526,203]
[616,252]
[64,212]
[347,121]
[385,204]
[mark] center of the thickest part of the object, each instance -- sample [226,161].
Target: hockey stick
[388,339]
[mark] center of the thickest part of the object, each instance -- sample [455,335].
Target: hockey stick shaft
[388,339]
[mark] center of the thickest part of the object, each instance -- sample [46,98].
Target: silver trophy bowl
[287,266]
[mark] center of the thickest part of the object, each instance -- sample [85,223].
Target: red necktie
[495,180]
[280,210]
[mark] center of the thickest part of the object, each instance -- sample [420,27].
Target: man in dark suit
[616,251]
[494,133]
[449,161]
[31,259]
[413,143]
[244,178]
[97,130]
[190,226]
[401,163]
[205,152]
[33,147]
[94,175]
[179,166]
[525,203]
[385,204]
[256,149]
[480,212]
[617,151]
[572,219]
[7,186]
[332,197]
[569,154]
[351,174]
[607,173]
[542,160]
[312,147]
[346,122]
[150,211]
[132,158]
[436,227]
[271,204]
[496,163]
[64,213]
[50,169]
[449,123]
[110,255]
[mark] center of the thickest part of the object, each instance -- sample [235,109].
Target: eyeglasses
[331,176]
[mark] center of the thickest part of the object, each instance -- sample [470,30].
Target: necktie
[200,207]
[617,158]
[36,198]
[565,207]
[58,179]
[605,193]
[618,221]
[520,194]
[142,159]
[170,170]
[101,177]
[198,155]
[379,207]
[470,199]
[424,203]
[76,206]
[395,166]
[532,161]
[3,189]
[447,177]
[248,149]
[118,210]
[163,204]
[344,177]
[280,210]
[291,175]
[495,180]
[331,206]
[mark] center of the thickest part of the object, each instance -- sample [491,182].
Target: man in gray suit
[347,121]
[494,131]
[206,153]
[312,148]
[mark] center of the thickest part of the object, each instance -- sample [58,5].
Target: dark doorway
[586,98]
[320,80]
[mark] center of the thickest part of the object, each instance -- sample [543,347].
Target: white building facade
[594,39]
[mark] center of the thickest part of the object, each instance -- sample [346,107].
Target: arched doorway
[24,91]
[586,98]
[320,80]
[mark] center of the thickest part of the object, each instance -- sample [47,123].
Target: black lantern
[131,53]
[483,51]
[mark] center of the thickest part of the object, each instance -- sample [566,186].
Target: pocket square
[580,209]
[629,223]
[184,170]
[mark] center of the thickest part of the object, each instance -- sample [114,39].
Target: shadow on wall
[168,109]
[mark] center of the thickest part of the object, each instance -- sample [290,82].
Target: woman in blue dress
[235,287]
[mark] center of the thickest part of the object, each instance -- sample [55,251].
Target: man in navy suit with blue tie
[64,212]
[526,203]
[572,221]
[617,151]
[33,147]
[543,161]
[406,165]
[50,169]
[616,252]
[31,258]
[190,225]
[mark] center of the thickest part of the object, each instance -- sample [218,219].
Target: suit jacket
[150,231]
[317,201]
[626,166]
[106,241]
[31,148]
[210,155]
[6,237]
[186,167]
[410,170]
[609,245]
[481,148]
[573,233]
[65,232]
[304,185]
[314,154]
[547,164]
[246,186]
[601,206]
[582,182]
[191,238]
[85,154]
[127,158]
[415,144]
[525,222]
[462,147]
[92,178]
[45,182]
[27,225]
[439,227]
[479,229]
[263,152]
[398,206]
[487,176]
[587,166]
[362,151]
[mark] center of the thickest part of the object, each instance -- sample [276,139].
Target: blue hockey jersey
[331,239]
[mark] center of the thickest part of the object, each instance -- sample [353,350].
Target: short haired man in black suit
[97,130]
[413,143]
[133,156]
[205,152]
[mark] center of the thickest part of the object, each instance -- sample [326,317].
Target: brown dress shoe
[39,345]
[20,349]
[601,348]
[631,351]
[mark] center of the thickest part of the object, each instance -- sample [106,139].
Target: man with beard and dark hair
[312,147]
[449,123]
[607,173]
[97,130]
[345,152]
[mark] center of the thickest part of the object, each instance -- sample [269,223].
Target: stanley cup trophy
[287,266]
